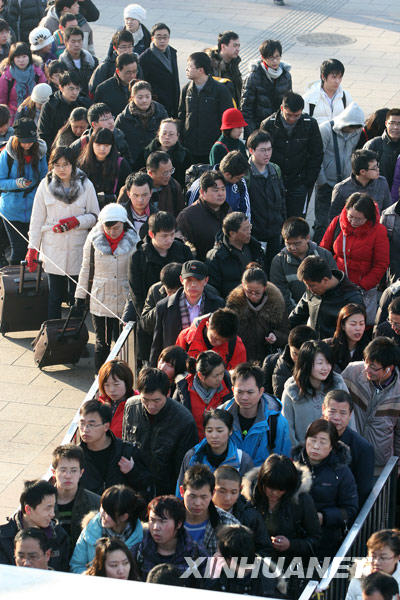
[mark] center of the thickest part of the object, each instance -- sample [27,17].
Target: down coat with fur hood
[8,95]
[256,322]
[110,281]
[51,204]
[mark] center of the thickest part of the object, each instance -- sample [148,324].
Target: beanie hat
[135,11]
[39,38]
[25,130]
[113,212]
[41,93]
[232,117]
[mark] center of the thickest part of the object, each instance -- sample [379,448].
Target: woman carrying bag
[113,241]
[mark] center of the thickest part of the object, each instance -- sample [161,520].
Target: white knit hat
[135,11]
[113,212]
[41,93]
[39,38]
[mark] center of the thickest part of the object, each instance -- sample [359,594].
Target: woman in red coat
[115,387]
[360,246]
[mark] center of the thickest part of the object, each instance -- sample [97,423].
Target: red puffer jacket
[367,249]
[116,421]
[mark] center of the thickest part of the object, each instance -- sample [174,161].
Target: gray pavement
[36,406]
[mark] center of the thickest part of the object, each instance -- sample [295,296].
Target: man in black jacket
[232,252]
[201,105]
[107,459]
[161,428]
[327,292]
[387,146]
[178,311]
[297,150]
[37,510]
[338,409]
[115,90]
[122,42]
[160,68]
[56,111]
[225,61]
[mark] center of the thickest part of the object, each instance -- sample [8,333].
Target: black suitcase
[60,341]
[23,298]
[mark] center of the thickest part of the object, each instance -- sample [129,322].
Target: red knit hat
[232,117]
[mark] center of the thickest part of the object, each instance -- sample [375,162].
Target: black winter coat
[299,155]
[24,15]
[231,71]
[138,478]
[262,96]
[201,114]
[54,114]
[164,440]
[168,320]
[267,202]
[277,370]
[138,134]
[251,518]
[334,492]
[320,312]
[140,46]
[120,143]
[146,264]
[226,264]
[57,538]
[101,73]
[89,10]
[387,151]
[114,93]
[362,462]
[179,155]
[84,502]
[164,84]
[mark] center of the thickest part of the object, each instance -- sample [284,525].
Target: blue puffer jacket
[256,441]
[85,548]
[16,204]
[197,455]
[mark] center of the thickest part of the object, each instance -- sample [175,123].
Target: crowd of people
[267,397]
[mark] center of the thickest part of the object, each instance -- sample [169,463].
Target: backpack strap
[9,164]
[91,273]
[231,349]
[337,231]
[10,83]
[339,176]
[344,100]
[222,144]
[389,221]
[271,433]
[119,161]
[312,108]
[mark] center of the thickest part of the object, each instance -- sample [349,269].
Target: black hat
[194,268]
[25,130]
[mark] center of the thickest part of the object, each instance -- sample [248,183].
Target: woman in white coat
[64,209]
[113,241]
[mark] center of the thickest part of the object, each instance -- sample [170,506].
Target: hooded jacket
[388,151]
[263,95]
[9,96]
[164,440]
[300,154]
[85,548]
[376,412]
[302,409]
[325,110]
[320,312]
[52,204]
[347,143]
[235,458]
[226,263]
[366,248]
[256,442]
[334,492]
[283,272]
[391,220]
[138,134]
[16,204]
[256,322]
[57,538]
[55,113]
[110,279]
[378,189]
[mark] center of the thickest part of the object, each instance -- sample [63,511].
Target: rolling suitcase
[60,341]
[23,298]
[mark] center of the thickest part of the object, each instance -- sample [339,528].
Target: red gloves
[31,257]
[66,225]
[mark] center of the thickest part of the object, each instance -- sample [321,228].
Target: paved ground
[36,406]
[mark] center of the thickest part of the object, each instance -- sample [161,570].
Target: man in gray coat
[364,178]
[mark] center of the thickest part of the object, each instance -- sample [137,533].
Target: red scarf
[114,241]
[28,158]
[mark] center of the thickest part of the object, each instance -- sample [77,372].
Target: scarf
[124,536]
[56,188]
[139,220]
[24,81]
[205,395]
[137,35]
[143,115]
[114,241]
[163,57]
[272,73]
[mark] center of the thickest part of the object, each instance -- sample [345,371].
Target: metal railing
[377,513]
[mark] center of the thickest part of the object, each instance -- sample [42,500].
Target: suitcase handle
[22,276]
[67,320]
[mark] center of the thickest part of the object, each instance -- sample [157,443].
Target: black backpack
[194,172]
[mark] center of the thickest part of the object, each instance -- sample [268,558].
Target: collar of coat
[273,310]
[125,246]
[57,190]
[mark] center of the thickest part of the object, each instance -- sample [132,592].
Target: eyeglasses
[394,324]
[122,48]
[373,369]
[377,558]
[373,168]
[393,123]
[161,38]
[253,293]
[89,426]
[169,172]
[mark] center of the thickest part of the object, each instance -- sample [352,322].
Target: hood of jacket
[101,244]
[216,58]
[272,310]
[339,457]
[92,530]
[304,485]
[362,230]
[42,148]
[351,115]
[268,405]
[57,190]
[231,460]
